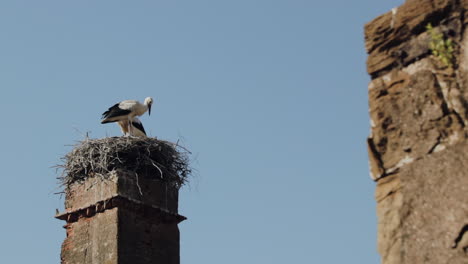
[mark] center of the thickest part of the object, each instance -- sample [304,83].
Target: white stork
[126,111]
[138,129]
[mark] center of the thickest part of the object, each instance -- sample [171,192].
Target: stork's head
[148,103]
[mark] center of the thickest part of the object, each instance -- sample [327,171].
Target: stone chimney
[120,208]
[418,149]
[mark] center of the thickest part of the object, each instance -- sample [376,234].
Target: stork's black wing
[139,125]
[114,111]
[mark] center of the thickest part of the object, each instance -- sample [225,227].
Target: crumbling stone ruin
[418,148]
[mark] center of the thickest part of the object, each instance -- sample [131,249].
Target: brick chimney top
[121,202]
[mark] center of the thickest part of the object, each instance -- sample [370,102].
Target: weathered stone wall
[418,150]
[143,240]
[122,218]
[92,240]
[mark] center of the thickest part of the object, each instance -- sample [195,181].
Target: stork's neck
[140,109]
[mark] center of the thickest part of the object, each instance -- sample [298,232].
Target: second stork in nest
[137,127]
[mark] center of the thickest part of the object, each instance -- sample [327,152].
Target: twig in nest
[138,184]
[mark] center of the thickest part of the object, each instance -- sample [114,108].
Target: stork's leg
[130,127]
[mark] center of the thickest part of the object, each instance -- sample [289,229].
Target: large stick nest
[148,157]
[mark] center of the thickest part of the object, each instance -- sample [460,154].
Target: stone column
[418,149]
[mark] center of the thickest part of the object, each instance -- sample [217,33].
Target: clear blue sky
[271,96]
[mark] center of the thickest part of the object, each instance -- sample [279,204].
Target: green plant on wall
[440,47]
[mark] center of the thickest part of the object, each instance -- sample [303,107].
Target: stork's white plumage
[137,131]
[126,111]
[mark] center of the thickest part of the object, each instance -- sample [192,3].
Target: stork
[138,129]
[126,111]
